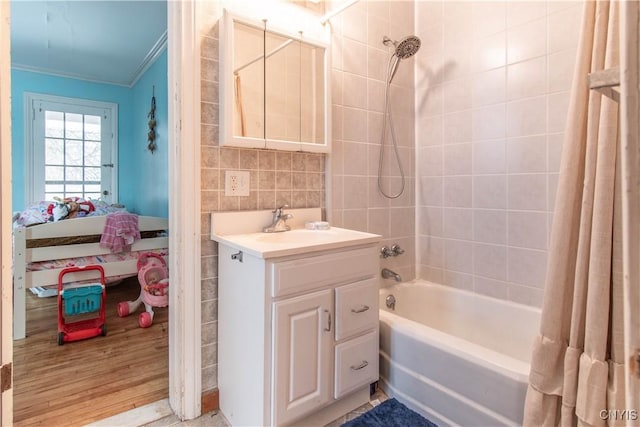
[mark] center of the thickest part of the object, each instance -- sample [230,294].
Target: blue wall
[134,165]
[148,192]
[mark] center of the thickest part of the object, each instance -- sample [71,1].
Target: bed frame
[23,279]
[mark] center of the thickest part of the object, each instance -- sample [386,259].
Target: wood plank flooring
[84,381]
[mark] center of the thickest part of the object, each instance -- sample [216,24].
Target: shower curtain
[577,367]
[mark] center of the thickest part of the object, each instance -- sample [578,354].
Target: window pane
[93,196]
[68,194]
[92,153]
[92,129]
[54,124]
[73,126]
[53,151]
[92,174]
[54,188]
[73,153]
[54,173]
[73,174]
[75,188]
[92,188]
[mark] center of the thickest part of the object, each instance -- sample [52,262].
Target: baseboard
[210,400]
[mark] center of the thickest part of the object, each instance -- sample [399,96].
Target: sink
[299,236]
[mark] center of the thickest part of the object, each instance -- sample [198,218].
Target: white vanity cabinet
[297,333]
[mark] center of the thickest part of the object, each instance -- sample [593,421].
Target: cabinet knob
[360,310]
[328,328]
[363,365]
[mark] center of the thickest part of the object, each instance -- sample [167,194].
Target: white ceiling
[109,41]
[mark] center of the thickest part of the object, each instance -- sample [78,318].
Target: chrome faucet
[389,274]
[279,221]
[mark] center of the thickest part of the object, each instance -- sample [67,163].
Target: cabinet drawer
[356,308]
[356,363]
[314,272]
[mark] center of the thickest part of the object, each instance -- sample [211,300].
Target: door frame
[6,276]
[185,386]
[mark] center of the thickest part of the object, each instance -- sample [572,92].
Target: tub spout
[389,274]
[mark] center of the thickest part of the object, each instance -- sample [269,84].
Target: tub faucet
[279,221]
[389,274]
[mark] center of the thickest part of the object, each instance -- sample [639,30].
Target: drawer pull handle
[363,365]
[360,310]
[328,328]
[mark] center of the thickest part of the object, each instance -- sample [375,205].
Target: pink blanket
[120,231]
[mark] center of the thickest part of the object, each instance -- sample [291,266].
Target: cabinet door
[302,355]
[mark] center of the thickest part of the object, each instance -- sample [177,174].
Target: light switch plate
[236,183]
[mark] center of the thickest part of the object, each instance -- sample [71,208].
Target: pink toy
[154,289]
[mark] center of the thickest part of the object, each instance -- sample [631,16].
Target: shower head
[405,48]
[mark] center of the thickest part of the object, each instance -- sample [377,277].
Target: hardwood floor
[84,381]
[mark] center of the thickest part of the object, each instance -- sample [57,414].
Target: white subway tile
[527,117]
[560,70]
[429,130]
[431,251]
[457,191]
[458,280]
[457,95]
[430,161]
[489,87]
[457,159]
[430,221]
[528,229]
[527,192]
[457,223]
[527,41]
[527,78]
[489,157]
[558,109]
[430,191]
[457,254]
[489,52]
[489,17]
[564,29]
[356,94]
[490,192]
[520,12]
[488,122]
[457,127]
[491,288]
[527,266]
[490,261]
[525,295]
[490,226]
[554,150]
[527,154]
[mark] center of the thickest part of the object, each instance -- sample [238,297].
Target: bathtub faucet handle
[396,250]
[385,252]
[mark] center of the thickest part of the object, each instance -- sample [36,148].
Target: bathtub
[456,357]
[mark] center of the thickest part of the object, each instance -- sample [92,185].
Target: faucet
[279,221]
[389,274]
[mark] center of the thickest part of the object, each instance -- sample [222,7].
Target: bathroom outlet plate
[236,183]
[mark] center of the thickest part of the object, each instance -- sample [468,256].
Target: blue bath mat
[390,413]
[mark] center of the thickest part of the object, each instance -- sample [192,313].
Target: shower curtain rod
[333,13]
[268,55]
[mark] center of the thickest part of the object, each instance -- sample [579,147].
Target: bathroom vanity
[297,319]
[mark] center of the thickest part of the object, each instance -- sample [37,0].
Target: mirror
[274,88]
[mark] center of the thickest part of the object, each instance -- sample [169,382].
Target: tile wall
[493,81]
[359,63]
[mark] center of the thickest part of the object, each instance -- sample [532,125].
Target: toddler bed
[42,251]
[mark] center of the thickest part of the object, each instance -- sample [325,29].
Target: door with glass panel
[72,150]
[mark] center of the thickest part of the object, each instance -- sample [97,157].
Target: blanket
[120,231]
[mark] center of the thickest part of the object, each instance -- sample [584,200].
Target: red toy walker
[76,299]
